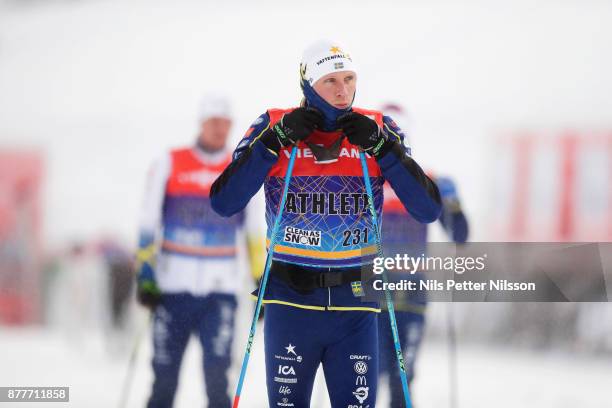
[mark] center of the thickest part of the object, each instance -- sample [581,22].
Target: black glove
[365,133]
[294,126]
[148,294]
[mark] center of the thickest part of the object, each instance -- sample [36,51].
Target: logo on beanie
[336,53]
[331,57]
[338,65]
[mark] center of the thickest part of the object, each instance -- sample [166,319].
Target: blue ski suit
[326,227]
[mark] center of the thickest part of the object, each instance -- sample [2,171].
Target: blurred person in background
[314,309]
[120,265]
[79,295]
[402,234]
[187,265]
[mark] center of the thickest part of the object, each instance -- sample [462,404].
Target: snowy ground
[488,376]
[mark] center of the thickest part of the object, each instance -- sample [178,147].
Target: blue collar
[330,113]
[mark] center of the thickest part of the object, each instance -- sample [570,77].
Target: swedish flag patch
[357,288]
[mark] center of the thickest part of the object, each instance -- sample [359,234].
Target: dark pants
[212,318]
[298,340]
[410,331]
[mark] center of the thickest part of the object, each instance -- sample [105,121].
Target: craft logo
[360,357]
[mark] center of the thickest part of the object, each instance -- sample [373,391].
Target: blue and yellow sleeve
[244,176]
[453,219]
[145,258]
[417,192]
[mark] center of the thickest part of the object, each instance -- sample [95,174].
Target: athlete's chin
[342,105]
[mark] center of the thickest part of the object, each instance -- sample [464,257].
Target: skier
[187,266]
[402,234]
[314,313]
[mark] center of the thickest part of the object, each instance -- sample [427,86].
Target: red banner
[20,236]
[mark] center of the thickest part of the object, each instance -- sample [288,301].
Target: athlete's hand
[447,188]
[448,193]
[363,132]
[293,127]
[148,294]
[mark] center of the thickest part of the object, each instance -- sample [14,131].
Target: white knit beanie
[215,105]
[324,57]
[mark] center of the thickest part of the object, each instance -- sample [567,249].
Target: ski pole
[264,278]
[129,376]
[388,299]
[452,335]
[452,356]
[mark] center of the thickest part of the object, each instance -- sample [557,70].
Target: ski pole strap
[305,279]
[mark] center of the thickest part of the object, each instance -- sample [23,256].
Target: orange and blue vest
[326,222]
[190,226]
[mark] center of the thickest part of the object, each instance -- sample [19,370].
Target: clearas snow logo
[302,237]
